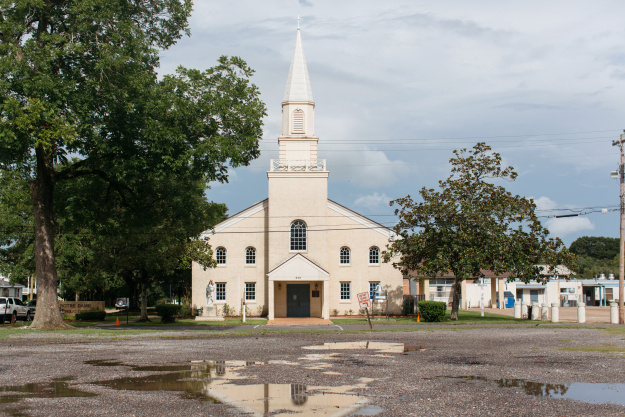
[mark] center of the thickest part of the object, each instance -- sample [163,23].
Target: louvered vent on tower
[298,122]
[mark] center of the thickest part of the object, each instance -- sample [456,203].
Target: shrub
[349,312]
[227,310]
[91,315]
[335,312]
[432,310]
[167,312]
[185,311]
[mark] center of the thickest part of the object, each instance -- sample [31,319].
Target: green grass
[464,317]
[156,321]
[602,348]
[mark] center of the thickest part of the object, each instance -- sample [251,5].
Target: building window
[220,254]
[344,256]
[609,293]
[220,291]
[250,291]
[298,235]
[298,121]
[374,255]
[345,291]
[250,256]
[372,287]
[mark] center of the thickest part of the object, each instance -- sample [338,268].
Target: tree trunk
[457,292]
[48,315]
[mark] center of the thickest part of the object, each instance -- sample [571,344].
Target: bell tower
[298,143]
[298,180]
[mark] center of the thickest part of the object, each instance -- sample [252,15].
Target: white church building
[297,253]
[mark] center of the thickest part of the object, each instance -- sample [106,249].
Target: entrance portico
[298,288]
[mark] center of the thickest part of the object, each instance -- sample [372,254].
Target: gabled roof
[388,233]
[298,267]
[235,218]
[298,83]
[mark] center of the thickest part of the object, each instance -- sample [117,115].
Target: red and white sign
[364,300]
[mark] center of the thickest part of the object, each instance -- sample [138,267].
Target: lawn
[464,317]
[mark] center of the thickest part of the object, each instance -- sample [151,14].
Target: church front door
[298,300]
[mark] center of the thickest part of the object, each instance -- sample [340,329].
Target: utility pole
[621,266]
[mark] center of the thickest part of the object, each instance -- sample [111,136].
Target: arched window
[344,256]
[250,256]
[220,255]
[298,121]
[298,235]
[374,255]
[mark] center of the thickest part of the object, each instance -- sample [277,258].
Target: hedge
[91,315]
[432,310]
[167,312]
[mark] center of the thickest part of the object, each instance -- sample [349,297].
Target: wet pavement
[518,370]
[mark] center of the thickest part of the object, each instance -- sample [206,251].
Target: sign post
[365,302]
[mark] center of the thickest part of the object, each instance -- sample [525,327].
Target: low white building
[7,289]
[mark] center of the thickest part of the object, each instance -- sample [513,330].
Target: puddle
[595,393]
[221,382]
[383,347]
[104,362]
[55,389]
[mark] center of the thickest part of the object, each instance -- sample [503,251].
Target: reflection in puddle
[220,382]
[594,393]
[386,347]
[55,389]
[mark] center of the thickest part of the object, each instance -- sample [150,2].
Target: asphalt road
[547,370]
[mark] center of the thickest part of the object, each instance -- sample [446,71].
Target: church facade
[297,253]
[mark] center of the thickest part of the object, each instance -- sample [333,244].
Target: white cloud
[568,225]
[545,203]
[372,201]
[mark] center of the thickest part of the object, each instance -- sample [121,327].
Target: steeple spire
[298,84]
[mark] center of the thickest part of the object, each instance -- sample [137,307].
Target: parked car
[32,306]
[13,307]
[121,303]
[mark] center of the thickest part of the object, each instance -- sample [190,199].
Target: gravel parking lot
[440,370]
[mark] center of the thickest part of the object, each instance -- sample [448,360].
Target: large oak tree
[470,225]
[78,83]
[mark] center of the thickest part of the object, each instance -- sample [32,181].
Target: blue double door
[298,300]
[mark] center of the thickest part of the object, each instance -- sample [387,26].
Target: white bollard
[581,313]
[517,309]
[555,313]
[535,311]
[524,311]
[614,312]
[544,312]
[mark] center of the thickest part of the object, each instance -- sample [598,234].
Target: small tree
[472,225]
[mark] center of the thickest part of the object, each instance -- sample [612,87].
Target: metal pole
[621,269]
[621,294]
[482,299]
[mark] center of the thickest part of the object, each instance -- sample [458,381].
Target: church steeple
[298,107]
[298,84]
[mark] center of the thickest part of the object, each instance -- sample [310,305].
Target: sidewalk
[567,314]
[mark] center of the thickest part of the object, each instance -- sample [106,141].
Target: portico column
[270,311]
[426,288]
[325,307]
[502,302]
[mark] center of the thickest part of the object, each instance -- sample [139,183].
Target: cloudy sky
[399,84]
